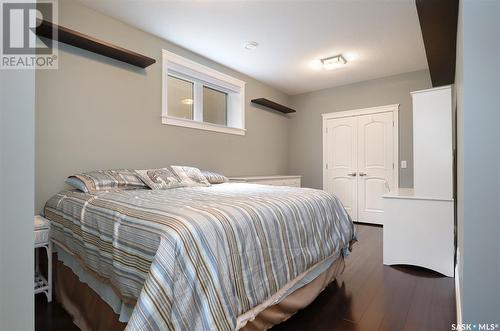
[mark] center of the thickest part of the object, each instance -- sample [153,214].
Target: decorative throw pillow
[214,177]
[76,183]
[191,176]
[160,179]
[103,180]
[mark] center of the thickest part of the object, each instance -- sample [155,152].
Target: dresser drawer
[269,182]
[292,181]
[280,182]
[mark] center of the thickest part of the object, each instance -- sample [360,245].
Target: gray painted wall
[97,113]
[305,148]
[480,150]
[17,169]
[459,88]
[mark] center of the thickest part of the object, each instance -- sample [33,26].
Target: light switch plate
[403,164]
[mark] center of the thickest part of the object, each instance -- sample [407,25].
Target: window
[199,97]
[214,106]
[180,98]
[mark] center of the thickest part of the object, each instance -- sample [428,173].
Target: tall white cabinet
[433,142]
[419,222]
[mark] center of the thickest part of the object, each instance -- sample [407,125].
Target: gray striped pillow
[105,180]
[214,177]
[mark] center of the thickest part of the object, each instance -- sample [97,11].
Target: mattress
[198,258]
[124,310]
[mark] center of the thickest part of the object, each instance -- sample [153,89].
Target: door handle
[352,174]
[363,174]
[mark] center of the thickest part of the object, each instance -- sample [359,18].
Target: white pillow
[190,175]
[160,179]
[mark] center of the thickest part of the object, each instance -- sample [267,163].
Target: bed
[231,256]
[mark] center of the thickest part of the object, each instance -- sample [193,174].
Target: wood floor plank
[396,300]
[420,309]
[364,295]
[443,308]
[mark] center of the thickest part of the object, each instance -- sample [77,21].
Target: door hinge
[392,165]
[326,130]
[327,166]
[392,123]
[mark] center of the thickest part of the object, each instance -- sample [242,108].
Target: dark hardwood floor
[367,296]
[51,317]
[371,296]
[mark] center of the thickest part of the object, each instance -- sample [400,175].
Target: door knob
[352,174]
[362,174]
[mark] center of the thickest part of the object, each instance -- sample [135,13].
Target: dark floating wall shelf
[273,105]
[94,45]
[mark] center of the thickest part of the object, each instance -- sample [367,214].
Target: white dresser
[278,180]
[419,231]
[419,222]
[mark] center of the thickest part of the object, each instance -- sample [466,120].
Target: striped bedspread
[197,258]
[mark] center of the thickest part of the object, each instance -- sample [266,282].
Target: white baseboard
[458,297]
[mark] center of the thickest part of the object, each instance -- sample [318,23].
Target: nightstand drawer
[42,236]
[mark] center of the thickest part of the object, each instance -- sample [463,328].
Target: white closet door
[341,161]
[375,164]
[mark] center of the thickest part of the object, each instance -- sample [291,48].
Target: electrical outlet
[403,164]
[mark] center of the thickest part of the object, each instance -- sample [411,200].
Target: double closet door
[359,156]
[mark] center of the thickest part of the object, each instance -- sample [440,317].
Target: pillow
[214,177]
[76,183]
[160,179]
[191,176]
[104,180]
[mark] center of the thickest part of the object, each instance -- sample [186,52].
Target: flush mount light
[333,62]
[351,56]
[187,101]
[250,45]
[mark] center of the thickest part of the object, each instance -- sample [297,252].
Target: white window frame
[200,75]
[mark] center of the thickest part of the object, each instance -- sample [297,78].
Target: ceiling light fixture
[351,56]
[333,62]
[250,45]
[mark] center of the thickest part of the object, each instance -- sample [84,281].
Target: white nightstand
[42,240]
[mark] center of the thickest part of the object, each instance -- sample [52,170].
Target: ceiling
[379,38]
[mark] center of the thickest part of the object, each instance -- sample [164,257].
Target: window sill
[176,121]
